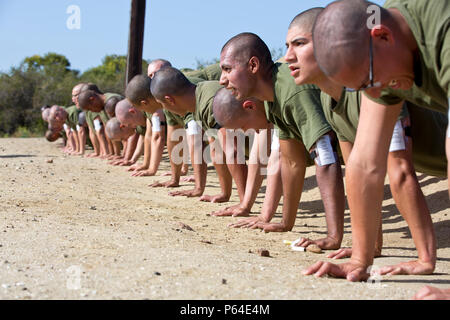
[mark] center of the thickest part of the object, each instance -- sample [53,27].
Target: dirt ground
[78,228]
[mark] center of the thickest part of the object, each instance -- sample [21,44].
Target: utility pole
[135,39]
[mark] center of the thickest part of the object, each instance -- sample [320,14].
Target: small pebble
[157,273]
[264,253]
[224,281]
[50,161]
[314,248]
[185,226]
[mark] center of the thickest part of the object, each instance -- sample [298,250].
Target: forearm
[239,175]
[411,203]
[331,187]
[225,179]
[147,150]
[156,156]
[102,140]
[274,189]
[131,146]
[82,139]
[138,150]
[365,196]
[94,140]
[253,184]
[292,177]
[76,141]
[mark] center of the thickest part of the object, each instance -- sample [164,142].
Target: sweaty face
[300,56]
[235,75]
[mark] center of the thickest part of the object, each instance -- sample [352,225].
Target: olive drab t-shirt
[212,72]
[296,110]
[72,116]
[343,115]
[204,97]
[90,117]
[427,129]
[141,130]
[429,22]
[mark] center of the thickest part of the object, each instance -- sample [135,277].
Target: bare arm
[293,169]
[365,175]
[237,170]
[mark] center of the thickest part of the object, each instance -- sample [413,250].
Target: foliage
[48,80]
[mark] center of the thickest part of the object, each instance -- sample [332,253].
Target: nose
[223,79]
[289,56]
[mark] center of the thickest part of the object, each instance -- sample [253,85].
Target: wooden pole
[136,39]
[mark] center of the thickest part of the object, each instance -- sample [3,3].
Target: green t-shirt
[72,116]
[103,117]
[141,130]
[204,97]
[90,117]
[343,115]
[148,115]
[212,72]
[296,110]
[111,95]
[427,130]
[429,22]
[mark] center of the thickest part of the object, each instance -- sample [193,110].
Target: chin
[299,81]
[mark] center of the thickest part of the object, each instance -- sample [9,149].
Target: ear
[143,102]
[254,65]
[132,110]
[122,126]
[382,33]
[248,104]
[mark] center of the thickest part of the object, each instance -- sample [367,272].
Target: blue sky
[178,30]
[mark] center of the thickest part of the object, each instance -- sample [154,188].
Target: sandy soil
[80,229]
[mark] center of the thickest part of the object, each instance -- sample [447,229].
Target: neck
[330,87]
[403,31]
[264,88]
[189,98]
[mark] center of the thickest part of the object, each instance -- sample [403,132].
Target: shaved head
[305,20]
[46,114]
[129,115]
[138,89]
[338,44]
[77,89]
[157,65]
[232,113]
[90,100]
[227,109]
[169,82]
[82,119]
[116,132]
[52,135]
[92,87]
[110,106]
[247,45]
